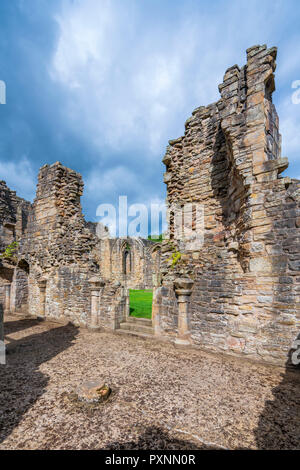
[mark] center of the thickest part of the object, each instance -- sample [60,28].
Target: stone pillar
[12,293]
[183,289]
[42,283]
[127,303]
[95,285]
[156,303]
[7,298]
[1,329]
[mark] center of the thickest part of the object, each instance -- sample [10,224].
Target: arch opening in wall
[156,256]
[24,265]
[127,267]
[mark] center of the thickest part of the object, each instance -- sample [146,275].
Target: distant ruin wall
[245,298]
[129,261]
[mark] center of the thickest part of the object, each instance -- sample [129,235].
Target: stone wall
[59,248]
[245,298]
[128,260]
[14,214]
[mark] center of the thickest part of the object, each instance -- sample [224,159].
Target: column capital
[42,282]
[96,283]
[183,286]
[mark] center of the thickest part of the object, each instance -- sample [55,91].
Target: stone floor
[164,398]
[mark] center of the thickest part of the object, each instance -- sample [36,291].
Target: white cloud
[130,86]
[20,177]
[130,81]
[101,184]
[289,125]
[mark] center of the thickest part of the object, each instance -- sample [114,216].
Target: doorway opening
[140,303]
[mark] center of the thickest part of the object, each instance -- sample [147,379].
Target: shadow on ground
[155,438]
[21,324]
[21,382]
[279,423]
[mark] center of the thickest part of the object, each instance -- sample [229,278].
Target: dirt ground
[163,397]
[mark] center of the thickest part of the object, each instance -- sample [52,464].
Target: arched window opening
[127,262]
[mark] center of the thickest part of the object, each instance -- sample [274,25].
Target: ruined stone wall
[14,214]
[59,252]
[245,298]
[112,305]
[59,247]
[129,261]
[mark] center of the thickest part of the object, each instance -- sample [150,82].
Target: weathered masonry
[61,266]
[242,286]
[236,293]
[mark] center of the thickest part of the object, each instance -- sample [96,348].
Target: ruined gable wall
[112,266]
[59,247]
[245,298]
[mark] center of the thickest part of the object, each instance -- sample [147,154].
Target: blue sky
[103,85]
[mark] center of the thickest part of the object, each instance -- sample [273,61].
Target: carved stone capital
[183,286]
[96,283]
[42,283]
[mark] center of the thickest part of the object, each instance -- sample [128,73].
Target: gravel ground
[163,397]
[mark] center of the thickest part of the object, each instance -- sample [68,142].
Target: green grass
[140,303]
[157,238]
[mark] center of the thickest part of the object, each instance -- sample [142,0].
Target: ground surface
[140,303]
[164,398]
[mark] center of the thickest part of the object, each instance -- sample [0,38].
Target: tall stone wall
[59,248]
[245,298]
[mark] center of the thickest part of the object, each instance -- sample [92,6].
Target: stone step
[140,328]
[133,333]
[140,321]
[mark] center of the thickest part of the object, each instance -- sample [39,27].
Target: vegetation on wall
[10,250]
[156,238]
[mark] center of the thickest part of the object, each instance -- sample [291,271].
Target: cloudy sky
[102,85]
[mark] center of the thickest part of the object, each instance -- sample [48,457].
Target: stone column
[42,283]
[156,303]
[12,294]
[183,289]
[7,298]
[127,304]
[95,285]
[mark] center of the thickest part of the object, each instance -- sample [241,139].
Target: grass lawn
[140,303]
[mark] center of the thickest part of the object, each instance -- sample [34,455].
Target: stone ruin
[238,293]
[61,262]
